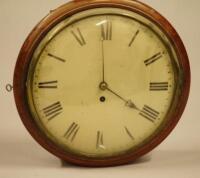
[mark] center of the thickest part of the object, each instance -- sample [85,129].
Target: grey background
[20,156]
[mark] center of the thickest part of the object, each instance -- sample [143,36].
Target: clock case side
[37,34]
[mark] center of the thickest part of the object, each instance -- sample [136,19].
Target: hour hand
[128,103]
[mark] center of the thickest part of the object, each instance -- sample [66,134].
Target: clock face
[102,82]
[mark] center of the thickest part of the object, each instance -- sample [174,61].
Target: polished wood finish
[24,58]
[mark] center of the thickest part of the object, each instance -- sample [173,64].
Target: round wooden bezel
[55,16]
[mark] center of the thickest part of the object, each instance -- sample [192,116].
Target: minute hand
[103,61]
[128,103]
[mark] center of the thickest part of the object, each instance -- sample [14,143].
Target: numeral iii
[158,86]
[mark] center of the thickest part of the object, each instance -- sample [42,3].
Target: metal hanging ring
[9,87]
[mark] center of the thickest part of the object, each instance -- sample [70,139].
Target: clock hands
[128,103]
[104,86]
[103,61]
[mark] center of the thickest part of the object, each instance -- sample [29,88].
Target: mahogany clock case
[56,16]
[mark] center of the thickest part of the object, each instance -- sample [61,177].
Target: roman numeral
[158,86]
[106,31]
[99,143]
[79,37]
[149,113]
[53,110]
[72,132]
[56,57]
[153,59]
[49,85]
[134,37]
[129,133]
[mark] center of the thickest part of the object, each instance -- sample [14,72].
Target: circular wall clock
[101,82]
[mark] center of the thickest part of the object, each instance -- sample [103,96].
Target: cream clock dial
[101,82]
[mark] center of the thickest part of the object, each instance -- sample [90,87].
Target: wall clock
[101,82]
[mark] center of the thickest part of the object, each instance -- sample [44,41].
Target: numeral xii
[106,31]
